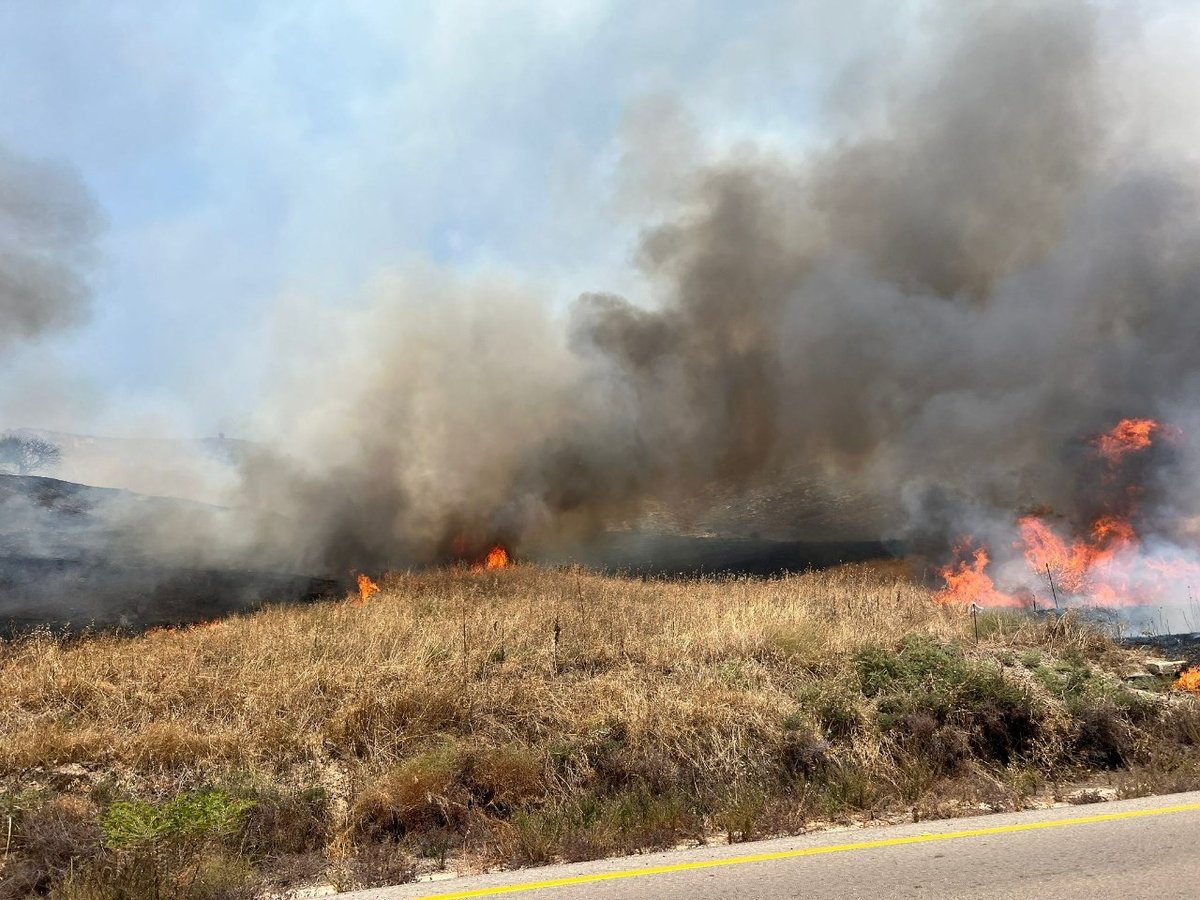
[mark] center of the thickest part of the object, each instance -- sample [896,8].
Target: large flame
[1103,566]
[497,558]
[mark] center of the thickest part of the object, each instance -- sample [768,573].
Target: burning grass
[518,715]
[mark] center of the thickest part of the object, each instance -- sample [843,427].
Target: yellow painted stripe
[807,851]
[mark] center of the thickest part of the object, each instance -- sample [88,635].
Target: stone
[1164,666]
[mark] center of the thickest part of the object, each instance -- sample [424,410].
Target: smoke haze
[932,310]
[48,227]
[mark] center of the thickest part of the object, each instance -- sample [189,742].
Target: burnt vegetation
[27,455]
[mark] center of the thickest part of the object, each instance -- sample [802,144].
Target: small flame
[366,587]
[497,558]
[1189,680]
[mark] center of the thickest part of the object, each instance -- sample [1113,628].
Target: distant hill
[75,555]
[199,469]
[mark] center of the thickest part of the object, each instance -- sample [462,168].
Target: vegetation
[26,454]
[519,716]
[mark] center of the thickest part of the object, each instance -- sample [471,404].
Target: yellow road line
[807,851]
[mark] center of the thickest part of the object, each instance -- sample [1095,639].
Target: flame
[1189,680]
[967,581]
[366,587]
[1103,566]
[497,558]
[1129,436]
[1084,563]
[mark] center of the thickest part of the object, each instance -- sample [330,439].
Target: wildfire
[1129,436]
[1103,565]
[497,558]
[1189,680]
[1077,565]
[366,588]
[967,581]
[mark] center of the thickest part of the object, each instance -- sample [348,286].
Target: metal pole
[1053,592]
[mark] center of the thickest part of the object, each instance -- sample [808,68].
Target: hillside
[79,556]
[523,715]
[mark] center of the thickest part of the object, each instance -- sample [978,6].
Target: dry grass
[525,714]
[446,652]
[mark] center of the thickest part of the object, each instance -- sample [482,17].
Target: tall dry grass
[526,714]
[517,654]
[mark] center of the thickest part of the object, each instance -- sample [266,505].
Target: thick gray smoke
[933,310]
[48,227]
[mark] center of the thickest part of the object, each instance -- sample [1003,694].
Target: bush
[835,707]
[285,822]
[503,778]
[1101,733]
[419,795]
[937,702]
[50,840]
[596,826]
[134,823]
[147,875]
[375,865]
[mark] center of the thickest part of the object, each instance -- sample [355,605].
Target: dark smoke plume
[48,227]
[931,311]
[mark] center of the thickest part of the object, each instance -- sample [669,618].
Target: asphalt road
[1127,849]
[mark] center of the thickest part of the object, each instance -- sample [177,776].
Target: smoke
[48,227]
[932,311]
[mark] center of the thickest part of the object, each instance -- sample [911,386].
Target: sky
[244,154]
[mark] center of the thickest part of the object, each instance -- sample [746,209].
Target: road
[1127,849]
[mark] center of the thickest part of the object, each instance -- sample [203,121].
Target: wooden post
[1053,592]
[557,635]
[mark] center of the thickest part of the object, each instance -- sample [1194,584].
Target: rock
[1091,795]
[63,776]
[1164,666]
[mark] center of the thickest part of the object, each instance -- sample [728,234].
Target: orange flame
[366,587]
[1189,680]
[497,558]
[1129,436]
[1077,566]
[967,582]
[1104,565]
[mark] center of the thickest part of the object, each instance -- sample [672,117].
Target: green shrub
[133,823]
[936,702]
[835,707]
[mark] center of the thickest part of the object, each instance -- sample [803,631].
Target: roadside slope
[1112,851]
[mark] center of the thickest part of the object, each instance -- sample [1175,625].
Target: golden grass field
[523,715]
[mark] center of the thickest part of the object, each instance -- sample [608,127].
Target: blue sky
[245,152]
